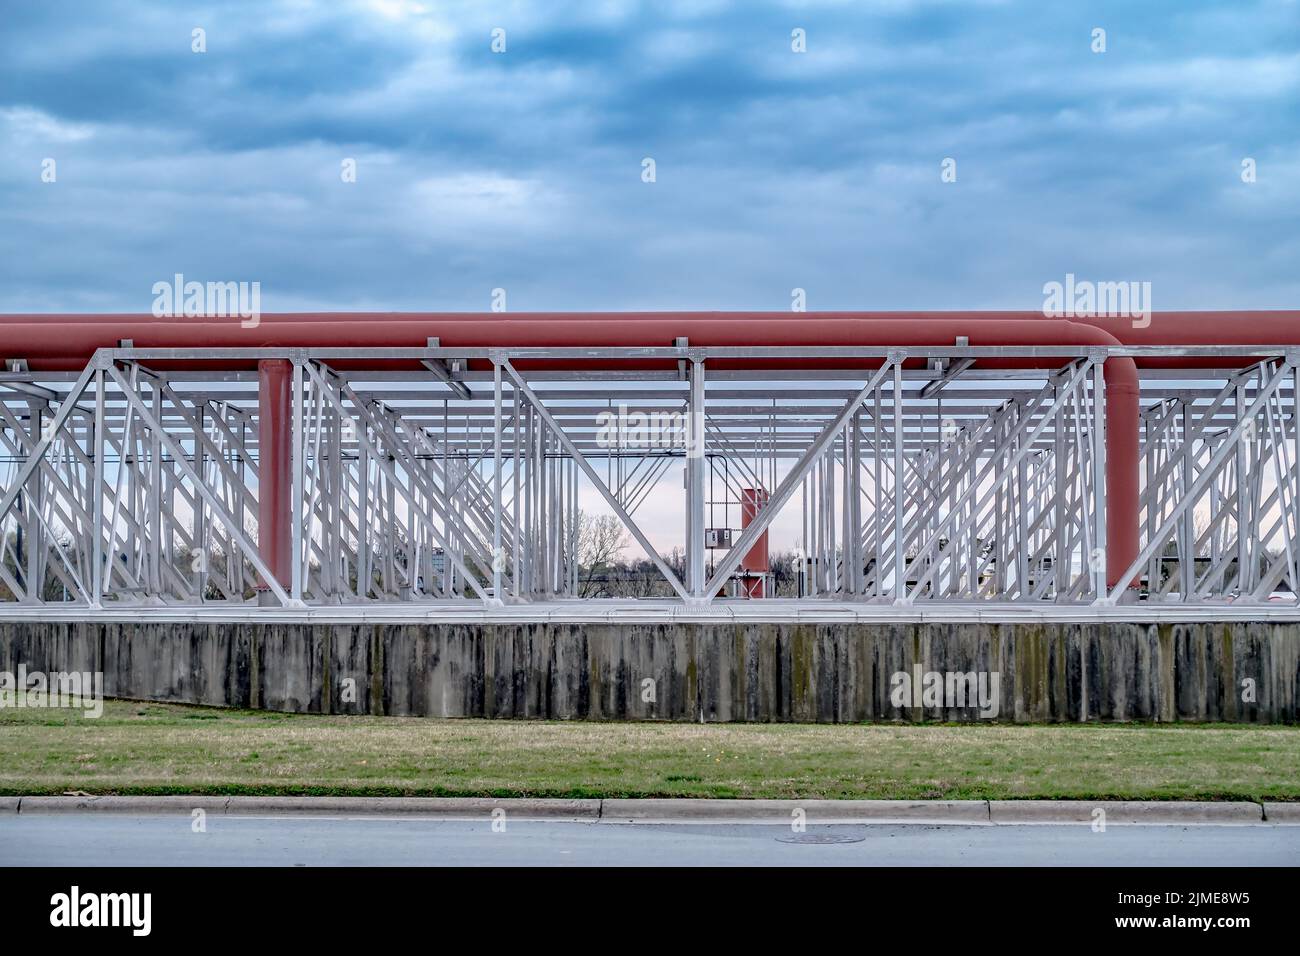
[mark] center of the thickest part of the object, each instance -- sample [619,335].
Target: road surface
[94,839]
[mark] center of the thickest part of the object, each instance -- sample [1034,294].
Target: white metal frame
[949,484]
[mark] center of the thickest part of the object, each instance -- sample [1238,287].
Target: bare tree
[601,539]
[784,566]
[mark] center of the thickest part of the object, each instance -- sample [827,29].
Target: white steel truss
[909,477]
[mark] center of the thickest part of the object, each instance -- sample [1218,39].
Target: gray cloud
[522,170]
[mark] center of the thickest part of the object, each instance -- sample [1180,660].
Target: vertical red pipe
[1123,468]
[754,565]
[274,464]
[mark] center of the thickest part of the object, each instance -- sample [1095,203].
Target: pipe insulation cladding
[66,342]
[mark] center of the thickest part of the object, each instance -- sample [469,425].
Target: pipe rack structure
[421,460]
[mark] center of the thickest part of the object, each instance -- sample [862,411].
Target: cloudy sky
[774,169]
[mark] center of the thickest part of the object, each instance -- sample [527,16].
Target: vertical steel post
[516,521]
[199,543]
[1295,474]
[900,564]
[155,501]
[1243,521]
[1060,554]
[498,556]
[293,434]
[364,572]
[695,464]
[1187,562]
[877,495]
[1021,503]
[97,483]
[1102,560]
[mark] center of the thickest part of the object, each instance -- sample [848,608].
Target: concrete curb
[1284,814]
[1125,812]
[113,804]
[695,811]
[686,810]
[468,808]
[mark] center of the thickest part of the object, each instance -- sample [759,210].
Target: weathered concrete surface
[747,671]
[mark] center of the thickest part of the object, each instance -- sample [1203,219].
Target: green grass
[137,748]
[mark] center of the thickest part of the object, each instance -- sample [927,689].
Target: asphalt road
[168,840]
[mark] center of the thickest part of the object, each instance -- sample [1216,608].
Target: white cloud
[27,125]
[1225,78]
[480,196]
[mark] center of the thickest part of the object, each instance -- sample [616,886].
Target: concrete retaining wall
[742,672]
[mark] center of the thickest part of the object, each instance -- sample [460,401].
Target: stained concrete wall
[745,672]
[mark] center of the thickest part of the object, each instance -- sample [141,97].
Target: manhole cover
[820,839]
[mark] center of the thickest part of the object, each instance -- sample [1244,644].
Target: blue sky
[774,170]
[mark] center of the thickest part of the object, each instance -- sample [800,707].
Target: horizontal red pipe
[1246,326]
[1229,326]
[1203,328]
[66,346]
[64,341]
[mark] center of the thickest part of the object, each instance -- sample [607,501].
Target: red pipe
[70,338]
[65,346]
[755,564]
[1277,327]
[274,466]
[1236,327]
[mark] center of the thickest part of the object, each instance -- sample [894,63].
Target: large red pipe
[1241,327]
[1272,328]
[68,339]
[275,462]
[755,563]
[66,346]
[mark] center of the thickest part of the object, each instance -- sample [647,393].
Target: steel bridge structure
[425,464]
